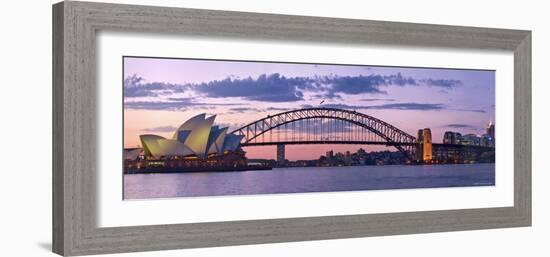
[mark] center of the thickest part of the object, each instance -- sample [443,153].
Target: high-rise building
[347,159]
[427,149]
[470,139]
[330,155]
[490,131]
[420,148]
[451,138]
[485,140]
[420,134]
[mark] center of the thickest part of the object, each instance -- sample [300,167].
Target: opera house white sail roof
[195,137]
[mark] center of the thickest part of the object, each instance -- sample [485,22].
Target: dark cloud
[333,86]
[134,86]
[353,85]
[277,109]
[470,110]
[267,88]
[444,83]
[370,84]
[337,106]
[408,106]
[251,109]
[161,129]
[243,109]
[190,100]
[172,104]
[396,106]
[278,88]
[132,81]
[377,99]
[328,95]
[180,99]
[399,80]
[157,105]
[459,126]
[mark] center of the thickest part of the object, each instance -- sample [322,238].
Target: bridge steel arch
[390,135]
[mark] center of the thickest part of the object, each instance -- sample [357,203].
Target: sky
[161,93]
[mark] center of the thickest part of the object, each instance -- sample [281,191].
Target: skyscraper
[451,138]
[330,154]
[424,150]
[427,144]
[490,131]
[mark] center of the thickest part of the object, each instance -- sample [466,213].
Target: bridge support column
[281,154]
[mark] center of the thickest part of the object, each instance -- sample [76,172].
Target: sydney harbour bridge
[339,126]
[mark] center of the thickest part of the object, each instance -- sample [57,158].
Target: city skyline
[161,93]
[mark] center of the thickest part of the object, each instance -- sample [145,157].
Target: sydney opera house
[196,145]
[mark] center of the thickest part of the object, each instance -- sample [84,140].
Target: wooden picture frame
[75,25]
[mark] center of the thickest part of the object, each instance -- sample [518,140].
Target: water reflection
[309,179]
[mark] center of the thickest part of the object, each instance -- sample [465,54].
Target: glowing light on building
[427,145]
[425,148]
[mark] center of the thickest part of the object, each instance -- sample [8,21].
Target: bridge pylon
[281,154]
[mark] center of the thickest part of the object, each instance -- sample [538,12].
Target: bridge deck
[313,142]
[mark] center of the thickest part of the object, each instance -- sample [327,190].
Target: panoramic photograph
[198,127]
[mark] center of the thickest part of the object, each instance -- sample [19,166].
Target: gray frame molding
[74,113]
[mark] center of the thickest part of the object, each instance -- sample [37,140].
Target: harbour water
[306,179]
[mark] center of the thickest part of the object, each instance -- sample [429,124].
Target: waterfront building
[196,138]
[420,148]
[427,149]
[451,138]
[132,153]
[470,139]
[424,151]
[330,155]
[490,130]
[347,159]
[485,140]
[197,145]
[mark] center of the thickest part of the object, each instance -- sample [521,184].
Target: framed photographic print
[265,127]
[181,128]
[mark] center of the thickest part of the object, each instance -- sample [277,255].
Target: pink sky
[166,92]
